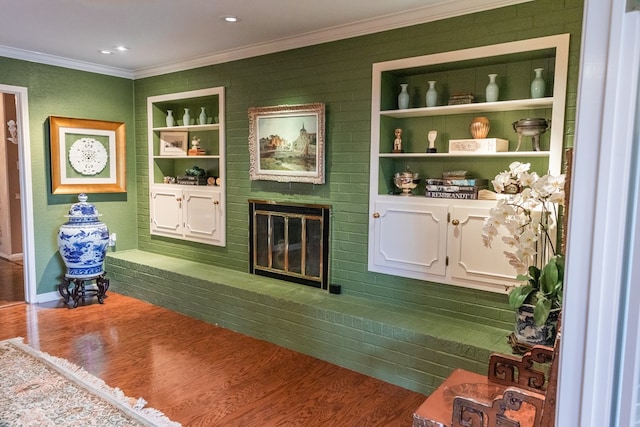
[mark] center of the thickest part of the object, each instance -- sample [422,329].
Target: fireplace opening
[290,241]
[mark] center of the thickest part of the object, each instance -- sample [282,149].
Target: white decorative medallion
[88,156]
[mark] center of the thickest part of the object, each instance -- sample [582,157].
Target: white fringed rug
[37,389]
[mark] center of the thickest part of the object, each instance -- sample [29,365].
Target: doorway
[18,247]
[12,283]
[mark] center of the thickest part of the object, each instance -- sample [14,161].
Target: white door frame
[26,192]
[599,332]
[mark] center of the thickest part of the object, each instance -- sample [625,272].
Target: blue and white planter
[527,332]
[83,240]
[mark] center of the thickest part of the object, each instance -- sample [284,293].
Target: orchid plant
[527,220]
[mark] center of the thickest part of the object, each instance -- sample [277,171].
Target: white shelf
[186,157]
[187,212]
[194,187]
[439,240]
[192,128]
[481,107]
[500,154]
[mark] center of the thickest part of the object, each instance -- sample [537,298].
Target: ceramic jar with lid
[83,241]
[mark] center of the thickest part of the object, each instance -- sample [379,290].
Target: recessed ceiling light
[230,18]
[105,52]
[121,48]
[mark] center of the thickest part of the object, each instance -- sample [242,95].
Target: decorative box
[484,145]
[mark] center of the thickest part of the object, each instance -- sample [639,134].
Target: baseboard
[48,297]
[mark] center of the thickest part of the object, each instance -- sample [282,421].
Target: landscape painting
[286,143]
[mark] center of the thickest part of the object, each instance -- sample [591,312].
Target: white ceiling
[172,35]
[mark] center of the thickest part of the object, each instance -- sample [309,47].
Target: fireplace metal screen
[290,241]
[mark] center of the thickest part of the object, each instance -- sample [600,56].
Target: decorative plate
[88,156]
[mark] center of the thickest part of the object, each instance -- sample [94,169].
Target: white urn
[83,240]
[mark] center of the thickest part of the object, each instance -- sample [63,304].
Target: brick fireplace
[290,241]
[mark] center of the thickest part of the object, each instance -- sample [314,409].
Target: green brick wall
[57,91]
[339,74]
[415,350]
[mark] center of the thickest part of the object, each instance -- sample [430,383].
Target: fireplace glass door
[290,242]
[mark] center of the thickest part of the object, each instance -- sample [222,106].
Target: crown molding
[443,10]
[435,12]
[43,58]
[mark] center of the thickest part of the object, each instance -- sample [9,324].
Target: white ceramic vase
[403,97]
[538,85]
[432,94]
[186,118]
[492,90]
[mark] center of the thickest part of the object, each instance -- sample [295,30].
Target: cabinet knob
[455,222]
[376,215]
[215,202]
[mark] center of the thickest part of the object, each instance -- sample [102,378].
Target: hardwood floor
[11,282]
[203,375]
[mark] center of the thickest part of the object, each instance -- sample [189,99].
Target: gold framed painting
[286,143]
[87,156]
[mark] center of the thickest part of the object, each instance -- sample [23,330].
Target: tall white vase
[432,94]
[169,118]
[203,116]
[538,85]
[403,98]
[186,118]
[492,90]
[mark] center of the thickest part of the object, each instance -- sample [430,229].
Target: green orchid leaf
[550,277]
[534,273]
[519,295]
[525,278]
[541,311]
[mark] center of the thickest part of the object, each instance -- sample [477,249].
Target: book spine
[452,188]
[463,182]
[451,195]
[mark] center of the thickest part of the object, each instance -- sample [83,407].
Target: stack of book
[191,180]
[461,98]
[463,188]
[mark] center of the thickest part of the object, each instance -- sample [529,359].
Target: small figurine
[397,143]
[432,135]
[195,149]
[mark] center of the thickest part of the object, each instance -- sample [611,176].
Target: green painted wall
[70,93]
[339,74]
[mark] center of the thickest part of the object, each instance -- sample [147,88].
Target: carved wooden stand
[517,392]
[79,290]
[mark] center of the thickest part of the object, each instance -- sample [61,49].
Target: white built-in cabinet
[188,212]
[439,240]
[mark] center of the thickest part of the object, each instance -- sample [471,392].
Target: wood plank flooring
[202,375]
[11,282]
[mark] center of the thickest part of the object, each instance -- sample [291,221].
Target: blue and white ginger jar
[83,240]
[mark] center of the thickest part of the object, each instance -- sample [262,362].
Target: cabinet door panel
[469,259]
[166,211]
[201,214]
[410,237]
